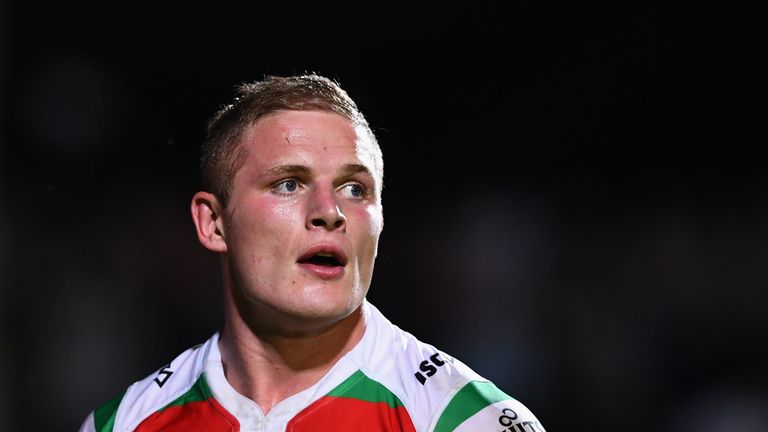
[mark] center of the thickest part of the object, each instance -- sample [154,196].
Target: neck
[268,367]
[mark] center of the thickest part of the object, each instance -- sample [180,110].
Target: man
[293,178]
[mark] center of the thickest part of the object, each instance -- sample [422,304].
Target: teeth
[325,254]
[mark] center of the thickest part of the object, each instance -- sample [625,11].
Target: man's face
[303,221]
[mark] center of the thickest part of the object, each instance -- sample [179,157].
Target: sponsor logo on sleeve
[429,368]
[509,419]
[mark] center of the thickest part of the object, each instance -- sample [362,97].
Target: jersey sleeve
[88,425]
[102,419]
[480,405]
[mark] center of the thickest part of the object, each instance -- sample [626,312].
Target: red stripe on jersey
[206,415]
[342,414]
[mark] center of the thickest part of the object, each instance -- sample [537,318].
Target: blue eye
[287,187]
[291,185]
[355,190]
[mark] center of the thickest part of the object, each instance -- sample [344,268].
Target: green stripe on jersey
[197,393]
[359,386]
[472,398]
[104,415]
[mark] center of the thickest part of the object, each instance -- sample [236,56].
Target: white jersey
[389,381]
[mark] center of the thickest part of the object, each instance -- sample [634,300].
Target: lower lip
[323,272]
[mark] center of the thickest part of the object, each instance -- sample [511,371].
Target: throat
[268,369]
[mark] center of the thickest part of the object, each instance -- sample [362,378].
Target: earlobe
[206,214]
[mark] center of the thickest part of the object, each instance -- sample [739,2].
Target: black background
[574,201]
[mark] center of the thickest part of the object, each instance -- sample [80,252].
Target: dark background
[573,206]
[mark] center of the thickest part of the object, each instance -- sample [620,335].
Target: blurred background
[572,206]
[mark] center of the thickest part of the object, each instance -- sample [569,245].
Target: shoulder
[439,391]
[153,393]
[480,405]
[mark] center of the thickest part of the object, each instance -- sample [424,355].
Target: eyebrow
[348,170]
[287,169]
[351,169]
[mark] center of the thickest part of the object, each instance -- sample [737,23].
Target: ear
[207,215]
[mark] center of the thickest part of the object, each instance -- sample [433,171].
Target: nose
[324,211]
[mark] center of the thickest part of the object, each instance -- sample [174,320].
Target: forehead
[308,137]
[298,126]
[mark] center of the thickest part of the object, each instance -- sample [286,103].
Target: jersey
[389,382]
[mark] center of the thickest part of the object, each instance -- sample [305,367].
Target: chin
[329,299]
[323,311]
[328,311]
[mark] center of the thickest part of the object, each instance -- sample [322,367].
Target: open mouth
[324,256]
[322,259]
[325,261]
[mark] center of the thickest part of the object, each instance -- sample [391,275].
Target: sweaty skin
[309,186]
[294,192]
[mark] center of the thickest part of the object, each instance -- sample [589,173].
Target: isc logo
[429,367]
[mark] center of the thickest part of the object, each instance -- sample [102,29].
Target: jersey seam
[405,401]
[308,410]
[223,412]
[446,401]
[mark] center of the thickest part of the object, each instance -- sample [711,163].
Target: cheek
[283,212]
[375,221]
[369,225]
[268,214]
[257,225]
